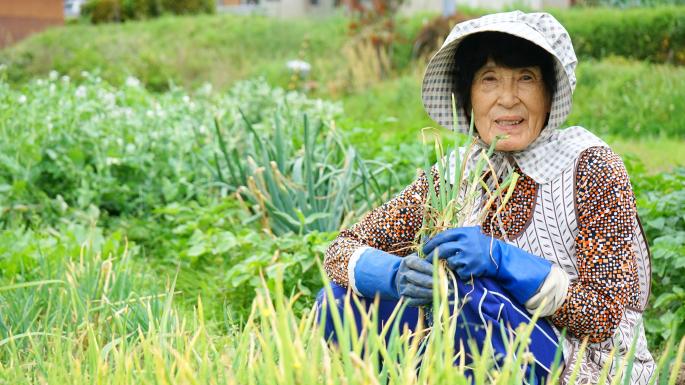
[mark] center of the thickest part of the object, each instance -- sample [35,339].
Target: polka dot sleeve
[607,269]
[391,227]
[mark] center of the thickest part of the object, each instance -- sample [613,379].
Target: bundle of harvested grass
[462,187]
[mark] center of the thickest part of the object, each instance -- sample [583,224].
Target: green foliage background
[222,49]
[113,151]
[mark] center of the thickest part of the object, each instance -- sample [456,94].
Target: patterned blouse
[607,281]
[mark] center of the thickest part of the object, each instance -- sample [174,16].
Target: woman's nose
[508,93]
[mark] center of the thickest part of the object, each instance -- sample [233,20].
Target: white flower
[132,82]
[52,88]
[21,99]
[85,74]
[81,92]
[186,99]
[299,66]
[54,75]
[149,113]
[65,79]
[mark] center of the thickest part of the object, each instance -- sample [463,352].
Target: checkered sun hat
[553,149]
[539,28]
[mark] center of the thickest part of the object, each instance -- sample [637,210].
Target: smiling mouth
[509,122]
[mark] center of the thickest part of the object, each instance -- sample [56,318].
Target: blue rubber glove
[392,277]
[469,252]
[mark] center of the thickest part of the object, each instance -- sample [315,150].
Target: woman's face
[511,102]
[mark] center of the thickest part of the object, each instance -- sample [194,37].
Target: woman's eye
[489,78]
[527,78]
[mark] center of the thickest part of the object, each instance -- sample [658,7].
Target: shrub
[653,34]
[183,7]
[103,11]
[137,9]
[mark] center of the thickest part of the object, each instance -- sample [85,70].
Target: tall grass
[84,332]
[78,303]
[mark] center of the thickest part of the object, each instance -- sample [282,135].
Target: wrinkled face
[511,102]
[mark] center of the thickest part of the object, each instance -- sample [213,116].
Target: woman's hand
[377,272]
[469,252]
[414,280]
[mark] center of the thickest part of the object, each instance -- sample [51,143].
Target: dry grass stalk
[367,64]
[459,195]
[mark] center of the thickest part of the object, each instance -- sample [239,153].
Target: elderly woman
[567,244]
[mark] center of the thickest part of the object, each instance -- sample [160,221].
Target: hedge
[99,11]
[652,34]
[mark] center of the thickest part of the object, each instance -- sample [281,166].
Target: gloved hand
[414,280]
[469,252]
[392,277]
